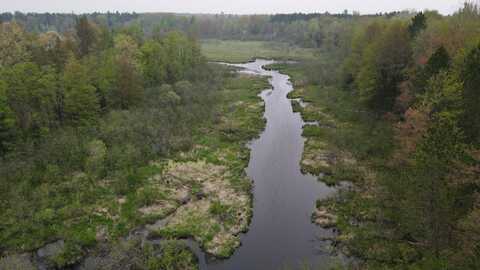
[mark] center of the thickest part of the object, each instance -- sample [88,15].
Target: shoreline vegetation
[202,194]
[114,129]
[154,140]
[333,152]
[389,119]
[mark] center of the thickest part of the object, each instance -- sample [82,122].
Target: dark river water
[281,235]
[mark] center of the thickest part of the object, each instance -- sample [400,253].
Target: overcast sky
[227,6]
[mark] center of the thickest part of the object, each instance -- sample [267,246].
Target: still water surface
[281,235]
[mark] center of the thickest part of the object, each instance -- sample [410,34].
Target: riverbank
[344,144]
[281,234]
[208,180]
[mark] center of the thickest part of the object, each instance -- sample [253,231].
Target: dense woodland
[307,30]
[83,106]
[91,98]
[409,90]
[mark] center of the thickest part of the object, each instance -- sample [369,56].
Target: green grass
[224,143]
[235,51]
[362,144]
[75,209]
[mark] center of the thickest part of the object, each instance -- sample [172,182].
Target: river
[281,235]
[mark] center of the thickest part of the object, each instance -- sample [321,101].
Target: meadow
[237,51]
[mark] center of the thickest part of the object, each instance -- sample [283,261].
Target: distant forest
[296,28]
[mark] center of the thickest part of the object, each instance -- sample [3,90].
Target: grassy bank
[221,204]
[207,179]
[348,144]
[236,51]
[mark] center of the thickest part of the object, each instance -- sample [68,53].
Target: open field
[236,51]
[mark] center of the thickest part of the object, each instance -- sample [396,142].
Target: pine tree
[419,23]
[438,61]
[384,63]
[86,35]
[7,120]
[471,96]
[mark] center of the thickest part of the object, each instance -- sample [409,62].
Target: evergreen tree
[471,95]
[86,35]
[419,23]
[438,61]
[7,120]
[384,63]
[435,193]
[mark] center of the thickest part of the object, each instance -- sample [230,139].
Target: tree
[183,55]
[438,61]
[49,49]
[385,60]
[471,95]
[127,89]
[419,23]
[434,191]
[86,34]
[7,120]
[81,104]
[153,63]
[13,44]
[31,94]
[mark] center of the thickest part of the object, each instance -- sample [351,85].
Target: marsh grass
[75,209]
[236,51]
[345,126]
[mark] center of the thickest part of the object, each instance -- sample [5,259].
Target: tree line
[421,76]
[80,107]
[314,30]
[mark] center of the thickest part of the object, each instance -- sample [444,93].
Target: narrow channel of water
[281,235]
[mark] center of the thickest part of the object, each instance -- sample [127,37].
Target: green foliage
[127,89]
[384,62]
[77,134]
[13,45]
[7,120]
[81,106]
[95,163]
[182,55]
[419,23]
[471,95]
[413,174]
[174,256]
[86,34]
[438,61]
[425,199]
[153,61]
[238,51]
[32,97]
[76,131]
[218,209]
